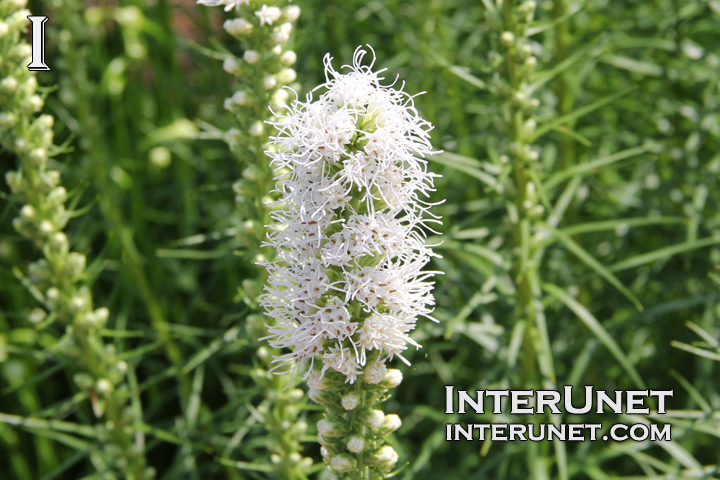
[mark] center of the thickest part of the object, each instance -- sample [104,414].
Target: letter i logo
[38,43]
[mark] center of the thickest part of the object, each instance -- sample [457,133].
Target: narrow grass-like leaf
[594,264]
[596,327]
[697,351]
[633,65]
[662,253]
[702,403]
[620,222]
[593,166]
[460,163]
[574,115]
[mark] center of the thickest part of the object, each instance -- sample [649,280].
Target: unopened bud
[356,444]
[329,428]
[104,386]
[342,463]
[269,82]
[288,58]
[230,65]
[393,378]
[350,401]
[375,373]
[385,458]
[291,13]
[375,419]
[507,38]
[391,423]
[251,56]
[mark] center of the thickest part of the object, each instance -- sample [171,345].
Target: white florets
[229,4]
[348,281]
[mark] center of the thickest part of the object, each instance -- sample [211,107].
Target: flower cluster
[347,285]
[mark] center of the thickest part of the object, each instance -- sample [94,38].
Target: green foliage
[604,272]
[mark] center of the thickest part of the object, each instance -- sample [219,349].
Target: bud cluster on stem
[60,274]
[263,29]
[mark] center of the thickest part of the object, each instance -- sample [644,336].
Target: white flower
[229,4]
[350,230]
[268,15]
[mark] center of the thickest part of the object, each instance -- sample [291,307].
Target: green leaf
[594,325]
[662,253]
[465,165]
[460,72]
[619,222]
[697,351]
[591,262]
[592,166]
[632,65]
[574,115]
[478,250]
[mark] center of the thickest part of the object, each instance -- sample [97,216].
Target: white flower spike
[347,285]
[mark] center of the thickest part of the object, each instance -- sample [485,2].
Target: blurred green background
[166,255]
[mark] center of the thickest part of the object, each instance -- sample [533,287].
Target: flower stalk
[347,284]
[58,277]
[262,70]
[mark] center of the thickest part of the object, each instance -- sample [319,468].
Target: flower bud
[507,38]
[317,381]
[4,29]
[53,177]
[102,314]
[330,428]
[27,213]
[57,196]
[37,315]
[391,423]
[59,243]
[45,121]
[252,173]
[237,26]
[77,303]
[343,463]
[325,454]
[375,373]
[230,65]
[291,13]
[356,444]
[160,157]
[392,379]
[21,145]
[385,458]
[288,58]
[8,119]
[35,102]
[350,401]
[104,386]
[375,419]
[286,76]
[9,84]
[46,228]
[241,98]
[256,130]
[75,264]
[251,56]
[269,82]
